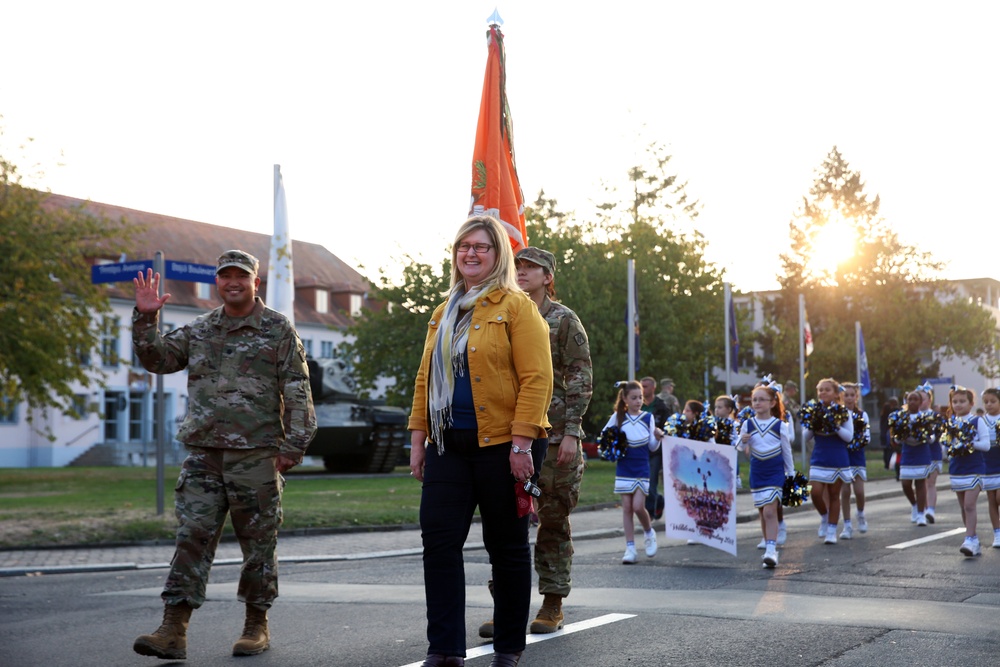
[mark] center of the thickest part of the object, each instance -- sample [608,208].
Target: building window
[8,410]
[109,342]
[356,302]
[322,301]
[326,349]
[308,344]
[79,405]
[203,290]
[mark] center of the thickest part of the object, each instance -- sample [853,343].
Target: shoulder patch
[580,338]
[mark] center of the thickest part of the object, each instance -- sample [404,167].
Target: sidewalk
[588,523]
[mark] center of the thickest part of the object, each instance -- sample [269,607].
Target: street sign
[118,273]
[192,273]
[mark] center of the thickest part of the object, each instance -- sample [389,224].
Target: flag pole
[802,362]
[727,292]
[631,318]
[857,353]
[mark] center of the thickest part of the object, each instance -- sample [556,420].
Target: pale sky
[371,107]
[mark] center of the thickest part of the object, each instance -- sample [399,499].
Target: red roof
[182,240]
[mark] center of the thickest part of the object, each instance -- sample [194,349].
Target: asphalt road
[879,599]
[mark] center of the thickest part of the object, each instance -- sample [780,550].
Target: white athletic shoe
[763,544]
[970,547]
[996,540]
[650,544]
[782,534]
[929,515]
[847,533]
[823,525]
[922,520]
[770,557]
[831,534]
[914,514]
[630,555]
[862,524]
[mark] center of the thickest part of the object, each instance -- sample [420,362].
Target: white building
[120,422]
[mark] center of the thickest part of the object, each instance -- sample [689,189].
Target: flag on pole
[280,276]
[865,380]
[496,190]
[807,331]
[734,336]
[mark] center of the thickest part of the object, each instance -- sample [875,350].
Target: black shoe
[505,659]
[435,660]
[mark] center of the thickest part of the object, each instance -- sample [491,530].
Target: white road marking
[487,649]
[928,538]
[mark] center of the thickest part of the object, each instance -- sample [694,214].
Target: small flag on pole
[865,380]
[280,276]
[807,331]
[496,190]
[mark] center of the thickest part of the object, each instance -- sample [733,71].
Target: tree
[877,280]
[48,307]
[388,342]
[679,293]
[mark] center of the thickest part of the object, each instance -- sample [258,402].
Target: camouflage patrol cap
[239,259]
[542,258]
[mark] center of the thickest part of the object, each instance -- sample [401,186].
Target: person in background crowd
[250,419]
[890,406]
[659,409]
[667,395]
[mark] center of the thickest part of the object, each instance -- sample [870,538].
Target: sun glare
[832,245]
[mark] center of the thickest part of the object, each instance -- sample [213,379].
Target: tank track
[388,441]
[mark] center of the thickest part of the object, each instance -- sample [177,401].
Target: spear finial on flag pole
[494,18]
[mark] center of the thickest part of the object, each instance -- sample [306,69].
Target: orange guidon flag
[495,188]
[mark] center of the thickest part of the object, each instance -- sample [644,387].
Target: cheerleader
[830,465]
[991,480]
[765,441]
[937,465]
[725,424]
[632,469]
[856,454]
[966,465]
[911,430]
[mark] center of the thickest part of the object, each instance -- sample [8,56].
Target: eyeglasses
[480,248]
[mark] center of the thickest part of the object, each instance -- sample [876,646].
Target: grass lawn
[54,506]
[59,506]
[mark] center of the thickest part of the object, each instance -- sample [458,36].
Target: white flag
[280,276]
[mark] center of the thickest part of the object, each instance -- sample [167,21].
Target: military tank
[353,434]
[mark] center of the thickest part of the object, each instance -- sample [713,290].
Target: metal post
[727,297]
[631,319]
[802,364]
[161,424]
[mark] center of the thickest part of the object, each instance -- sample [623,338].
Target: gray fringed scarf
[450,346]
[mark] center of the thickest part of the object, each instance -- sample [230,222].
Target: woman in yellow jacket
[480,399]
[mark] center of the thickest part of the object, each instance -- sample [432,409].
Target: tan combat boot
[256,638]
[550,616]
[169,641]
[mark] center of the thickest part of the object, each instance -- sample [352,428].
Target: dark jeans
[455,483]
[655,468]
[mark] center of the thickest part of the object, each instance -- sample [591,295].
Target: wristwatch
[518,450]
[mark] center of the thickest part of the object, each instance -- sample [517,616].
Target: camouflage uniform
[573,387]
[248,401]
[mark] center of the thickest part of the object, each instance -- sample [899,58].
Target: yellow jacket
[510,365]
